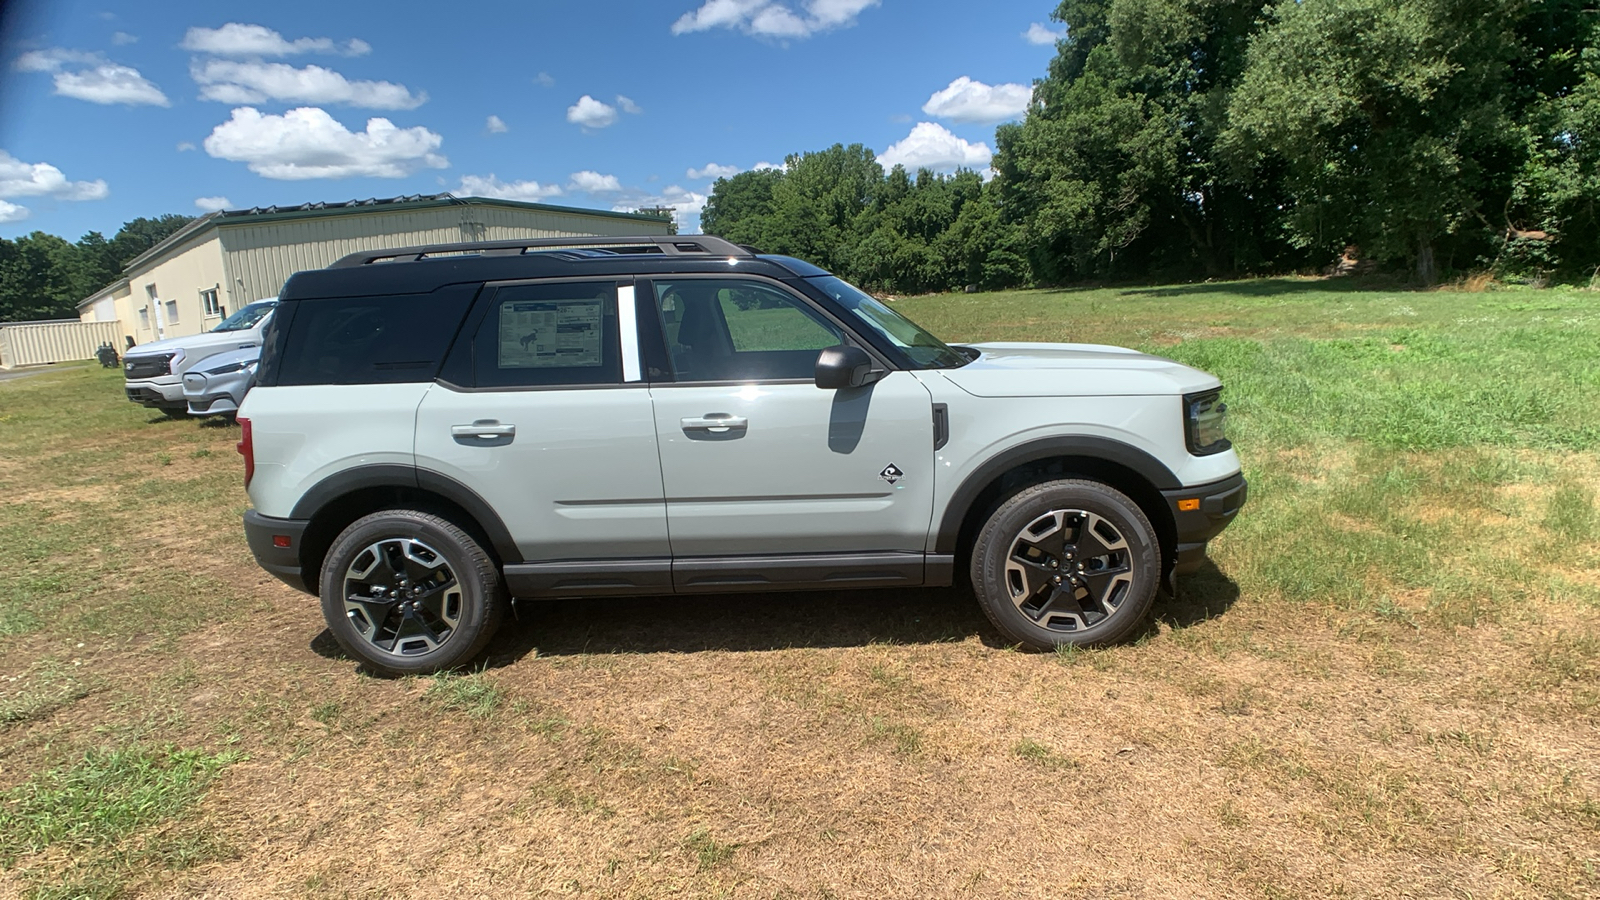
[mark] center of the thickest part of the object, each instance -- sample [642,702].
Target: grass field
[1387,686]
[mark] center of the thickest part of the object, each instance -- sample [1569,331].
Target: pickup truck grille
[136,367]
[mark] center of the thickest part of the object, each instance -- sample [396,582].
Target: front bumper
[155,394]
[263,533]
[210,395]
[1214,506]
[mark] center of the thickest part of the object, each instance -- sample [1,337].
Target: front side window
[919,347]
[546,335]
[732,330]
[246,319]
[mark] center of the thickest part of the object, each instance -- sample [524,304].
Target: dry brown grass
[861,745]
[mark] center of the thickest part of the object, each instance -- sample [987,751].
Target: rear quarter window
[371,340]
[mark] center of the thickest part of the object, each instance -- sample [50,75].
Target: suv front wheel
[409,593]
[1066,562]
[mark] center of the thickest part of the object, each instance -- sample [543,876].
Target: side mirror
[844,367]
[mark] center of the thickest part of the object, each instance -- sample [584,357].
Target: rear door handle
[484,431]
[716,423]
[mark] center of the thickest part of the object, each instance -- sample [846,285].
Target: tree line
[43,276]
[1184,138]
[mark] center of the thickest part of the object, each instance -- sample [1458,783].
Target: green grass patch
[103,798]
[474,694]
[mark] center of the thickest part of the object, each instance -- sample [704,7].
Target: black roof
[417,270]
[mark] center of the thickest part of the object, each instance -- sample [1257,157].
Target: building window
[172,312]
[144,317]
[212,303]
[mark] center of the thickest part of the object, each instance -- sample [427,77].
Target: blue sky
[112,110]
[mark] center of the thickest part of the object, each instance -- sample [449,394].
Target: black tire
[422,596]
[1066,562]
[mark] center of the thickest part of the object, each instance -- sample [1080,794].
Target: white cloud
[308,143]
[228,81]
[713,170]
[20,179]
[595,183]
[122,39]
[764,166]
[544,79]
[768,18]
[92,77]
[628,106]
[496,125]
[236,39]
[686,203]
[1037,33]
[212,204]
[54,59]
[10,212]
[185,146]
[591,113]
[110,83]
[490,186]
[966,100]
[931,146]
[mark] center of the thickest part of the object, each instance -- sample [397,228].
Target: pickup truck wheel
[409,593]
[1066,562]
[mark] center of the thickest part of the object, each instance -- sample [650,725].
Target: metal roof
[260,214]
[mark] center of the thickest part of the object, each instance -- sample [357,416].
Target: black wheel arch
[1130,470]
[333,503]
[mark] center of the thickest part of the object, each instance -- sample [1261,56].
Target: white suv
[436,430]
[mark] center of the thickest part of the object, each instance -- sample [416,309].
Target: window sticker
[550,334]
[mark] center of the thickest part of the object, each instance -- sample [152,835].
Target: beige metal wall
[179,275]
[52,342]
[260,257]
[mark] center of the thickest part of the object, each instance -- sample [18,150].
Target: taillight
[247,449]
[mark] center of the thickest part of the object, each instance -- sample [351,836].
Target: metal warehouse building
[223,260]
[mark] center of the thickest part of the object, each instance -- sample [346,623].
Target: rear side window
[372,340]
[541,335]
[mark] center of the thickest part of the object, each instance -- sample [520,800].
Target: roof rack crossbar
[669,244]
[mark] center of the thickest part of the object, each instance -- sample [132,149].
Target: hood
[1074,370]
[199,346]
[228,358]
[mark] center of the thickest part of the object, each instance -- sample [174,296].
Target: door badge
[891,473]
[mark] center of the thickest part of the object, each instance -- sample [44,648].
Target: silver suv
[437,430]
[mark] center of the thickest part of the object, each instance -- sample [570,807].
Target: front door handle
[716,423]
[482,432]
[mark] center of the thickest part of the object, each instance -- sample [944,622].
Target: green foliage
[1181,138]
[43,276]
[886,231]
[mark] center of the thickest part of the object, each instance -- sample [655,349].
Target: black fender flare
[391,475]
[1115,452]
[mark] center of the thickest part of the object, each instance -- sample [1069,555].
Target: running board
[728,574]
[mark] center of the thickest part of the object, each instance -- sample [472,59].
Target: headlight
[175,361]
[1205,423]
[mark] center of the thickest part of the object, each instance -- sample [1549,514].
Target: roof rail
[671,245]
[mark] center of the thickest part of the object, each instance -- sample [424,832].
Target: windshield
[246,319]
[922,349]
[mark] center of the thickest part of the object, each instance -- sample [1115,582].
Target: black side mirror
[844,367]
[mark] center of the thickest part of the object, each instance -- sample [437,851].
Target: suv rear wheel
[1066,562]
[409,593]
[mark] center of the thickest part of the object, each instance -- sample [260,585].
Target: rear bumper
[263,534]
[1218,503]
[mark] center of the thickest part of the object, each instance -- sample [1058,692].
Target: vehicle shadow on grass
[1276,287]
[777,621]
